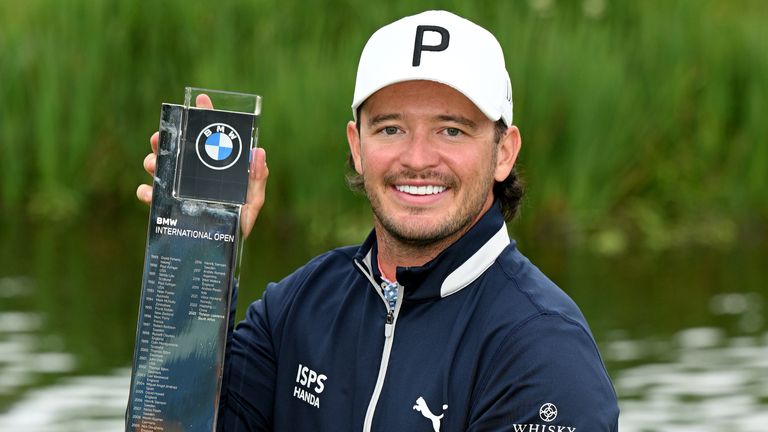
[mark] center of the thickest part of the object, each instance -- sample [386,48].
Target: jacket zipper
[389,325]
[389,333]
[386,289]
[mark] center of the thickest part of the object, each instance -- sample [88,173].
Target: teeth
[420,190]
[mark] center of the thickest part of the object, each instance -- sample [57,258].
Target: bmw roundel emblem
[218,146]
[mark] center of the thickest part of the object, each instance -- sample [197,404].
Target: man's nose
[419,152]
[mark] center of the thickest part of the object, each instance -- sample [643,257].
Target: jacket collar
[456,267]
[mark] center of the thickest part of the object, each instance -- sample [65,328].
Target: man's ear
[506,153]
[353,138]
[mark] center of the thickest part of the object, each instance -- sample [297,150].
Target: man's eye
[390,130]
[452,132]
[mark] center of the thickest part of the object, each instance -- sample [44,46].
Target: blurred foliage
[643,122]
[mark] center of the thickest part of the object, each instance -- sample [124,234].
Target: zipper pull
[388,326]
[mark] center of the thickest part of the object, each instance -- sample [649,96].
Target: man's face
[428,160]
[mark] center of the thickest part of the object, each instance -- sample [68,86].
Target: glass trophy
[191,261]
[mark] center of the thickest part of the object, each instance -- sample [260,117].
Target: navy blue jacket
[480,340]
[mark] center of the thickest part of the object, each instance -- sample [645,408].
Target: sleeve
[547,375]
[247,393]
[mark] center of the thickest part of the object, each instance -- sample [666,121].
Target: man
[436,322]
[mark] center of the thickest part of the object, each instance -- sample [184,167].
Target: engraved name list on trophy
[191,262]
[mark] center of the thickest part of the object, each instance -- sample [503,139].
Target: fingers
[203,101]
[258,170]
[257,184]
[153,140]
[144,193]
[150,163]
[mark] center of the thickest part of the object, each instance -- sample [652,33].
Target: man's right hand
[257,177]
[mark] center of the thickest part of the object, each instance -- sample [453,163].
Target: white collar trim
[477,264]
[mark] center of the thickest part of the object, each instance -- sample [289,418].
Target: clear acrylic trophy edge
[223,100]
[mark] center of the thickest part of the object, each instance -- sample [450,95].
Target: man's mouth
[420,190]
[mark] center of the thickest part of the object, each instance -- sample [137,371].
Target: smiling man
[428,159]
[436,322]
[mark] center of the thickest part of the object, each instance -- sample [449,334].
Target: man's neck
[393,253]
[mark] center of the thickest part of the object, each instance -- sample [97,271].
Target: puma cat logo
[421,406]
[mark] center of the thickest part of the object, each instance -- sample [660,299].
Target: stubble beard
[425,235]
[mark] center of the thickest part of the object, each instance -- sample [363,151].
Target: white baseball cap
[442,47]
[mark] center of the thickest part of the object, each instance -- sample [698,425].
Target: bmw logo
[218,146]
